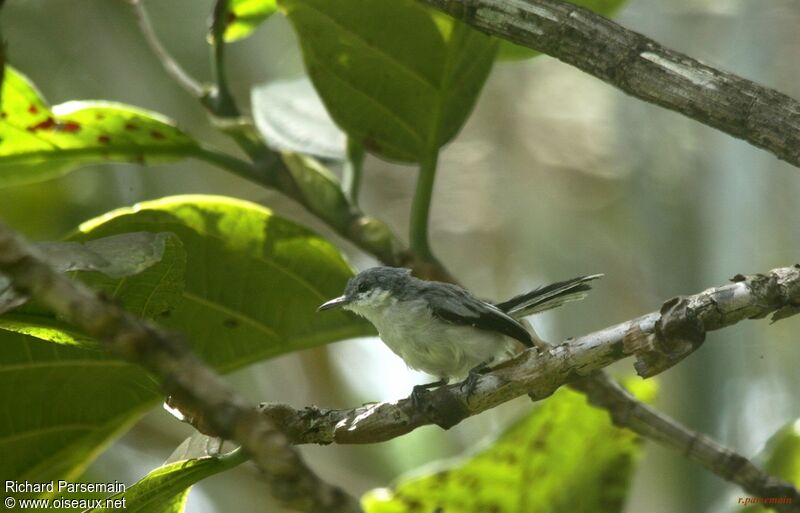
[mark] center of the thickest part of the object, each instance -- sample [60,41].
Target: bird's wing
[457,306]
[548,296]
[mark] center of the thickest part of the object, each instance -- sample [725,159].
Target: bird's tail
[548,296]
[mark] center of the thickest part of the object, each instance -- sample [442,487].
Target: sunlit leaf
[244,16]
[564,456]
[399,78]
[253,280]
[511,52]
[291,117]
[40,143]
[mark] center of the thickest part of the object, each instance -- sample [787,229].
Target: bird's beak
[333,303]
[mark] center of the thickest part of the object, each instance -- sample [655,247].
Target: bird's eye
[362,287]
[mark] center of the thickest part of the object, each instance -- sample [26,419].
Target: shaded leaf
[244,16]
[62,404]
[512,52]
[399,78]
[291,117]
[165,489]
[39,143]
[116,256]
[564,456]
[147,293]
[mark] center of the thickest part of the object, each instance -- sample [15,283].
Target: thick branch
[655,337]
[642,68]
[182,375]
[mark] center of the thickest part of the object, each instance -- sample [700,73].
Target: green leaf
[39,143]
[291,117]
[147,293]
[250,291]
[62,405]
[253,280]
[564,456]
[399,78]
[781,458]
[165,489]
[512,52]
[244,16]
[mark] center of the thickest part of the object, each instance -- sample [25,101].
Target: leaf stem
[170,65]
[351,180]
[421,206]
[223,103]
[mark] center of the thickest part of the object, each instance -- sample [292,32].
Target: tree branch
[642,68]
[182,375]
[221,97]
[171,66]
[665,336]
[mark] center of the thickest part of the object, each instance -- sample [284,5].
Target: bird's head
[370,289]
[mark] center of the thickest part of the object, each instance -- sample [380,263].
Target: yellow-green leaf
[38,142]
[244,16]
[564,456]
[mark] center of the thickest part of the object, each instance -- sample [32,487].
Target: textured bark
[642,68]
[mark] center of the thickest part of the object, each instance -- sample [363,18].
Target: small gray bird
[440,328]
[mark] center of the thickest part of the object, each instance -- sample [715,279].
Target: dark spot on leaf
[230,322]
[33,109]
[155,134]
[47,124]
[99,115]
[494,508]
[231,18]
[3,115]
[166,313]
[103,139]
[131,126]
[71,126]
[412,504]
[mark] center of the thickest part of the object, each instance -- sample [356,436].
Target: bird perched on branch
[443,330]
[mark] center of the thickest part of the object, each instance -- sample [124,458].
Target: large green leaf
[510,51]
[244,16]
[565,456]
[253,280]
[399,78]
[250,291]
[40,143]
[60,406]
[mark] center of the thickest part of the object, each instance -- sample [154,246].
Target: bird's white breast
[430,344]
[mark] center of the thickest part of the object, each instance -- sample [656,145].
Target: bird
[441,328]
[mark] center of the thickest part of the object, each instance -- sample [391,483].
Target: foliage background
[555,174]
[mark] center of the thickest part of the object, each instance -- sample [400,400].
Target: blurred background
[556,174]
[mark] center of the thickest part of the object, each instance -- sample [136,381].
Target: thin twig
[170,65]
[628,412]
[181,373]
[641,67]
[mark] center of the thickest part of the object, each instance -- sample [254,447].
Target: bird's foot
[469,384]
[420,392]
